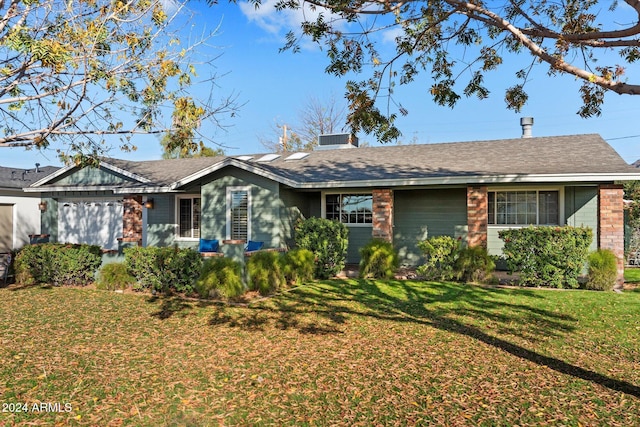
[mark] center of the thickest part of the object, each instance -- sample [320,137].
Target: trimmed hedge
[328,240]
[547,256]
[164,269]
[57,264]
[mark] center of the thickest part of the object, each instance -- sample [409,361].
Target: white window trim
[176,225]
[246,188]
[561,213]
[323,205]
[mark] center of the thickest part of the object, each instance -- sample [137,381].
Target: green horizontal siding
[161,220]
[581,209]
[92,176]
[358,237]
[420,214]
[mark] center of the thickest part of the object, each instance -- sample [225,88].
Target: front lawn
[331,353]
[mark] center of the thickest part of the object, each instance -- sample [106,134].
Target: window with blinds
[238,214]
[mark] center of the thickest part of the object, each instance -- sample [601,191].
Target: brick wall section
[132,219]
[383,214]
[477,216]
[611,223]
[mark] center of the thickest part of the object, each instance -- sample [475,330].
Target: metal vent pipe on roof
[527,124]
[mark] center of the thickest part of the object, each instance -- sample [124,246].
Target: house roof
[560,158]
[18,178]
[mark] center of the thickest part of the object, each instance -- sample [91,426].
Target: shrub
[547,256]
[603,270]
[298,266]
[114,276]
[474,264]
[57,264]
[164,269]
[328,240]
[220,277]
[378,260]
[264,269]
[440,253]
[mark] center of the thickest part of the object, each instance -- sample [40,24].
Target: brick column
[132,219]
[611,224]
[383,214]
[477,216]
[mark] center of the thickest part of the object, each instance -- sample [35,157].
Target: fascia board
[70,189]
[473,179]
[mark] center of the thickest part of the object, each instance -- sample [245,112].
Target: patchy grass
[632,275]
[350,352]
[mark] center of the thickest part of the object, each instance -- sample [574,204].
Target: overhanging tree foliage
[459,42]
[77,71]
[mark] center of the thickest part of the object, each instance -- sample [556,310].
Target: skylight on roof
[244,157]
[268,158]
[297,156]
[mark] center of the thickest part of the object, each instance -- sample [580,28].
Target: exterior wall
[26,216]
[91,176]
[161,228]
[581,209]
[420,214]
[294,206]
[358,237]
[383,214]
[265,206]
[477,216]
[611,223]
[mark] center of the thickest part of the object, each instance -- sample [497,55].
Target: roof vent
[244,157]
[527,124]
[340,140]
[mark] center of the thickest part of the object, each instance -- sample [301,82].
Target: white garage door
[95,222]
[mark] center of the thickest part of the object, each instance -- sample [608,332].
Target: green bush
[57,264]
[220,277]
[474,264]
[440,254]
[547,256]
[378,260]
[603,270]
[328,240]
[114,276]
[164,269]
[265,272]
[298,266]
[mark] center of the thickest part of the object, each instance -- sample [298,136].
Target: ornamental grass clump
[220,278]
[378,260]
[603,270]
[265,272]
[441,253]
[474,264]
[298,266]
[114,276]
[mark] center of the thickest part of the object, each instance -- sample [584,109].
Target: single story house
[19,211]
[402,193]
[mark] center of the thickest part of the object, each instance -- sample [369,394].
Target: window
[524,207]
[349,208]
[238,213]
[189,217]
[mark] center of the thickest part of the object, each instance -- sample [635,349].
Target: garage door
[95,222]
[6,228]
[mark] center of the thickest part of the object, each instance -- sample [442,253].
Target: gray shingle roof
[558,155]
[575,154]
[21,178]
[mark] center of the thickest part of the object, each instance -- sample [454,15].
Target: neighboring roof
[636,164]
[586,158]
[18,178]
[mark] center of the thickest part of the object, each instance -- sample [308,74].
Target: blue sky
[273,87]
